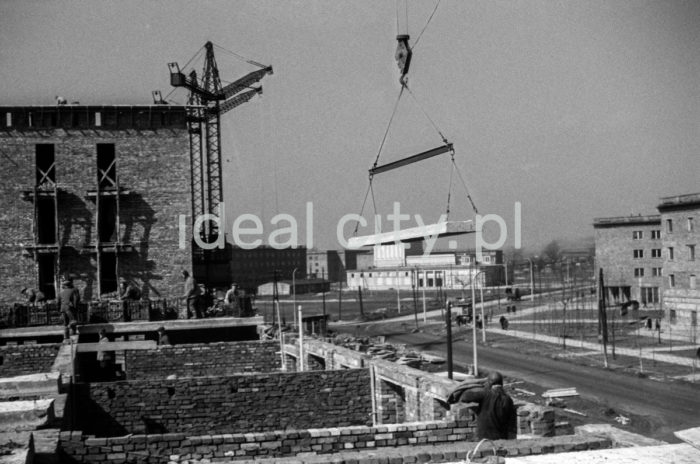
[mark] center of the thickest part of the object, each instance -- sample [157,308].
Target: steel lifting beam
[411,159]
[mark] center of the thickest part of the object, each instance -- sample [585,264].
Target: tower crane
[208,100]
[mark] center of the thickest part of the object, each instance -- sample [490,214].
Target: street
[668,406]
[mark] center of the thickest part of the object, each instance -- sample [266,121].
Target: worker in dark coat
[68,300]
[496,413]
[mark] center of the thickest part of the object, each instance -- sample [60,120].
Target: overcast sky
[574,109]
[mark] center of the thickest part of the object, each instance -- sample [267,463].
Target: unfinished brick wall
[152,162]
[242,403]
[451,440]
[26,359]
[198,360]
[271,444]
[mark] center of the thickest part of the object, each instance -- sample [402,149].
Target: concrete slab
[42,384]
[664,454]
[440,229]
[690,436]
[620,438]
[135,327]
[25,415]
[116,346]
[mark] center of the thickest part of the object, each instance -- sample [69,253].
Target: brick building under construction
[94,192]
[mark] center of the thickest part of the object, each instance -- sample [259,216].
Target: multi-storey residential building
[629,250]
[680,233]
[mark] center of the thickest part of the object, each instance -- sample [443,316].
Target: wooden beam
[411,159]
[413,234]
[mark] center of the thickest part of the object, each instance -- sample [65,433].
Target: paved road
[670,406]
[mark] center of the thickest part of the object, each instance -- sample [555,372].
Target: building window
[8,119]
[656,253]
[670,253]
[693,282]
[691,226]
[638,254]
[671,280]
[656,235]
[352,275]
[639,272]
[669,225]
[98,118]
[672,315]
[691,252]
[637,235]
[656,271]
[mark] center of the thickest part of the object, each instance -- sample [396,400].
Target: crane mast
[207,101]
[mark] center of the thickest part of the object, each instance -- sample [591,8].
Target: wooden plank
[439,230]
[116,346]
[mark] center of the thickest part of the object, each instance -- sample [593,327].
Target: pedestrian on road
[496,415]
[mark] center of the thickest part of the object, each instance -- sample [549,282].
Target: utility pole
[398,293]
[340,301]
[415,300]
[362,309]
[448,328]
[602,316]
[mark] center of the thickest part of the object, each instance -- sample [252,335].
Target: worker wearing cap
[68,300]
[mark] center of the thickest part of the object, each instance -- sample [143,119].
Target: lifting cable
[405,62]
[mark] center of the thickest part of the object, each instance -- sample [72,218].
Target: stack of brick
[536,421]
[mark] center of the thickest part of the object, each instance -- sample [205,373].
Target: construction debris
[524,392]
[573,411]
[622,419]
[560,392]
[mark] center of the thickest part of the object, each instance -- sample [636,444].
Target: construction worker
[33,296]
[191,296]
[68,300]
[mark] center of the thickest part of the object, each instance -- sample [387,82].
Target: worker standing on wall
[68,300]
[191,296]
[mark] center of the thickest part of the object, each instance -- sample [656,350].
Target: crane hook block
[403,56]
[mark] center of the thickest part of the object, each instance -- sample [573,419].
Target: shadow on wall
[82,413]
[80,217]
[139,217]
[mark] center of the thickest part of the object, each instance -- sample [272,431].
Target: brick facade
[26,359]
[153,170]
[198,360]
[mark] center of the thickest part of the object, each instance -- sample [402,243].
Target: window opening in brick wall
[656,252]
[8,119]
[106,166]
[639,272]
[693,282]
[690,224]
[107,224]
[672,315]
[47,273]
[637,234]
[656,271]
[691,252]
[45,159]
[669,225]
[670,254]
[655,234]
[98,119]
[108,272]
[671,280]
[638,254]
[46,220]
